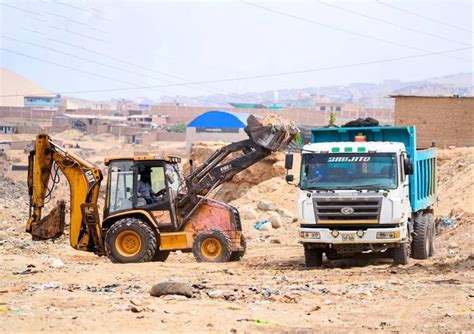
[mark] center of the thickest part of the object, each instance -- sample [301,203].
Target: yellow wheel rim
[128,243]
[211,248]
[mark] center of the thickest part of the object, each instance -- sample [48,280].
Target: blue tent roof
[219,119]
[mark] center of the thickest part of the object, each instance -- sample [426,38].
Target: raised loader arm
[84,179]
[263,140]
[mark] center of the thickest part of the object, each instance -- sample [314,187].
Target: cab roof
[168,158]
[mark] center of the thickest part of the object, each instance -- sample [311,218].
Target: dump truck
[366,189]
[151,208]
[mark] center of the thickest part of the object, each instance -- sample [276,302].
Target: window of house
[322,108]
[338,108]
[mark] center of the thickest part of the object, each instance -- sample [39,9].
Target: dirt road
[46,286]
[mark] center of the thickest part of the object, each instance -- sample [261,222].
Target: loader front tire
[130,240]
[212,246]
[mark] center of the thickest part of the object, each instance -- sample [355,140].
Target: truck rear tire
[313,257]
[432,234]
[130,240]
[421,239]
[212,246]
[401,254]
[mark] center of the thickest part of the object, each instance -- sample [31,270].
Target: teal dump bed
[423,179]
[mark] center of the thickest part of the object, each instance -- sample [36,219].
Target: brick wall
[443,120]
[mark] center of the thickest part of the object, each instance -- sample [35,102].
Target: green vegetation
[179,127]
[332,119]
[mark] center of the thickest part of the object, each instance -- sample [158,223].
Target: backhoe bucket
[50,226]
[271,132]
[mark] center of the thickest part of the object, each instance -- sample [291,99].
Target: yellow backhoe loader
[150,208]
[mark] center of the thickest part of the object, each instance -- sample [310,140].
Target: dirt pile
[455,180]
[270,167]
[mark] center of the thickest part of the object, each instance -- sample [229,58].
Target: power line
[131,64]
[61,16]
[422,16]
[83,9]
[271,75]
[78,34]
[340,29]
[84,72]
[391,23]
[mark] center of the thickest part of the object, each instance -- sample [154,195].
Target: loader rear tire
[421,239]
[313,257]
[236,256]
[130,240]
[212,246]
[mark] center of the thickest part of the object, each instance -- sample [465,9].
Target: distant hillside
[14,84]
[372,95]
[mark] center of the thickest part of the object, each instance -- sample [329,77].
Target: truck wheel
[130,240]
[421,242]
[401,254]
[432,234]
[161,256]
[313,257]
[236,256]
[212,246]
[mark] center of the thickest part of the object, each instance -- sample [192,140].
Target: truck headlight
[310,235]
[388,235]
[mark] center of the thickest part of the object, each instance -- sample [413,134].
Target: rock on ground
[172,288]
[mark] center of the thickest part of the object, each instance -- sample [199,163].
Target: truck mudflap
[381,235]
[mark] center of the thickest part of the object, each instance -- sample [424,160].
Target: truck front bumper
[376,235]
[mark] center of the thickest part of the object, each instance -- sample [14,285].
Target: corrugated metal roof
[219,119]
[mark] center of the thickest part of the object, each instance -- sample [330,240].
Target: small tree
[332,119]
[179,127]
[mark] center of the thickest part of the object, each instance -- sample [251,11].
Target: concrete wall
[443,120]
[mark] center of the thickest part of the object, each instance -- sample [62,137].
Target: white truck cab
[354,197]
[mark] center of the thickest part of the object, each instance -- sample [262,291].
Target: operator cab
[143,183]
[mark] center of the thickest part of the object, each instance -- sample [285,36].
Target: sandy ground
[269,290]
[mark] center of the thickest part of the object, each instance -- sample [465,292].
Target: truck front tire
[401,254]
[130,240]
[313,257]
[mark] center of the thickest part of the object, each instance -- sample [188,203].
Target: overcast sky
[129,44]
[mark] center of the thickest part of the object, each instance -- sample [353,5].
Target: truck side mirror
[408,166]
[289,178]
[288,161]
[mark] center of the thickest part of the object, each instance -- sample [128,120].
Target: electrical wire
[350,32]
[423,16]
[391,23]
[252,77]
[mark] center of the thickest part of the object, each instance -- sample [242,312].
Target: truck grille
[359,209]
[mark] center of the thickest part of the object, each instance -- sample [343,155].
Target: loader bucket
[271,132]
[50,226]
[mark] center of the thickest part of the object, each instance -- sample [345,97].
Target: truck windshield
[348,171]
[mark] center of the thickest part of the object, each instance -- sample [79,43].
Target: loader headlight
[388,235]
[310,235]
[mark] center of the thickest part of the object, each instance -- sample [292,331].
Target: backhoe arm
[84,185]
